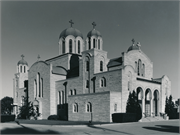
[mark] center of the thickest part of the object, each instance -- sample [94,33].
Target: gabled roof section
[115,62]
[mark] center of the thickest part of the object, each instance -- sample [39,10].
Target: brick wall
[100,107]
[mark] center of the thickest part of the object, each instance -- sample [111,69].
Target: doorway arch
[156,102]
[148,96]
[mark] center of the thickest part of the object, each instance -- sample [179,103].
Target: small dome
[94,33]
[23,62]
[71,31]
[134,47]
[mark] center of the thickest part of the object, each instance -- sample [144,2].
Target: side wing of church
[82,84]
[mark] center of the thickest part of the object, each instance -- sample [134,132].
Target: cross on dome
[94,24]
[22,56]
[133,41]
[71,22]
[38,57]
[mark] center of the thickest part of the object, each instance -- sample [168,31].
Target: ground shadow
[105,129]
[164,128]
[26,130]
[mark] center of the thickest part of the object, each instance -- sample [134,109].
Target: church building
[82,84]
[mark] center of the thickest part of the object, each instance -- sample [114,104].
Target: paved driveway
[170,127]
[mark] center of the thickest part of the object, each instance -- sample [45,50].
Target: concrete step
[146,119]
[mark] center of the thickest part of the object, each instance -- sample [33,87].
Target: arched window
[79,49]
[94,43]
[87,65]
[87,83]
[38,84]
[115,107]
[143,70]
[70,45]
[35,88]
[70,92]
[75,107]
[74,91]
[101,66]
[139,67]
[103,82]
[21,68]
[63,46]
[88,107]
[99,44]
[41,87]
[135,66]
[24,69]
[89,43]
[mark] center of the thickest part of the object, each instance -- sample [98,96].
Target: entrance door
[148,108]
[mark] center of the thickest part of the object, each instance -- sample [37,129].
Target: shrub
[7,118]
[124,117]
[53,117]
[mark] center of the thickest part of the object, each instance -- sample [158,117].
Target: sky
[32,28]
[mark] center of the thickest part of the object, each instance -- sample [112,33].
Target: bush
[124,117]
[53,117]
[7,118]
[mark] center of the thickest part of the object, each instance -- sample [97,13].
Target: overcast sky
[33,28]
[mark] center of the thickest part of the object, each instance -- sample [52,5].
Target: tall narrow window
[75,107]
[39,84]
[99,44]
[129,81]
[87,65]
[101,66]
[70,45]
[103,82]
[87,83]
[139,67]
[21,68]
[89,43]
[94,43]
[24,69]
[35,88]
[79,49]
[135,66]
[41,87]
[143,70]
[88,107]
[63,46]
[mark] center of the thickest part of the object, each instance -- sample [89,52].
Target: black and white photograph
[89,67]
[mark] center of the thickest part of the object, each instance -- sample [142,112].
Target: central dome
[70,31]
[94,33]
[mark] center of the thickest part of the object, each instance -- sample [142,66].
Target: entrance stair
[147,119]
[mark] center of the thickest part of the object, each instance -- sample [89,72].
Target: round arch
[156,102]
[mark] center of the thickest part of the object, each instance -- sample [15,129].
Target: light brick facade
[87,85]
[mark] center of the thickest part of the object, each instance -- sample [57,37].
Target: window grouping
[38,86]
[72,92]
[140,68]
[22,69]
[88,107]
[61,97]
[102,82]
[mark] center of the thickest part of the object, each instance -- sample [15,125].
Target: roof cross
[22,56]
[94,24]
[38,57]
[71,22]
[133,41]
